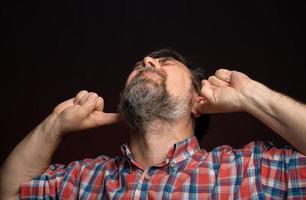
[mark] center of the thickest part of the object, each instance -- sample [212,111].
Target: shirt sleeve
[283,171]
[58,181]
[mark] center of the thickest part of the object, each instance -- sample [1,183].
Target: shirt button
[172,164]
[147,177]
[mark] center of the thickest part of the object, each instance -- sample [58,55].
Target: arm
[32,155]
[232,91]
[284,115]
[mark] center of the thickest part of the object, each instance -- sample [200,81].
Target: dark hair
[198,74]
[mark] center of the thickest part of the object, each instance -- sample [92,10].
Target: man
[160,103]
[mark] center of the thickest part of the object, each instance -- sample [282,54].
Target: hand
[85,111]
[222,92]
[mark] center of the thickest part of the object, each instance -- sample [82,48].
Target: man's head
[161,87]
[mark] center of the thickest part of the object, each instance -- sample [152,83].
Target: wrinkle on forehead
[161,60]
[168,52]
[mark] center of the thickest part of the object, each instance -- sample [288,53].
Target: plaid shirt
[257,171]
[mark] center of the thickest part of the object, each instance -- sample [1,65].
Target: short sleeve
[283,171]
[58,181]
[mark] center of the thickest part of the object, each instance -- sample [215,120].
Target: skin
[143,146]
[225,91]
[177,74]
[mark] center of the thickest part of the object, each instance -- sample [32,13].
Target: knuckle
[82,92]
[220,72]
[93,94]
[211,78]
[80,95]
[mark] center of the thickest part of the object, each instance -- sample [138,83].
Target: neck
[152,146]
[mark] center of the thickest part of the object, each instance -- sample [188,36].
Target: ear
[197,100]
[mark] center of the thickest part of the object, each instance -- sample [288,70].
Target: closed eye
[166,61]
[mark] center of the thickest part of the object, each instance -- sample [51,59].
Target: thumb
[112,118]
[207,90]
[199,100]
[203,106]
[107,118]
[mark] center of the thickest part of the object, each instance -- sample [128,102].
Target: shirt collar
[180,151]
[183,150]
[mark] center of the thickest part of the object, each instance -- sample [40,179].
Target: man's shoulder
[254,149]
[87,164]
[256,145]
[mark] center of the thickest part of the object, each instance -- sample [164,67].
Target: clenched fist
[84,111]
[223,92]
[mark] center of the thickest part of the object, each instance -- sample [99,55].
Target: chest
[200,183]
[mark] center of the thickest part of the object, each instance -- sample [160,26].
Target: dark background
[51,50]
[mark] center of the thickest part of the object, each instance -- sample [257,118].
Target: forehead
[167,53]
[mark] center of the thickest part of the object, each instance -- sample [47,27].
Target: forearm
[282,114]
[30,157]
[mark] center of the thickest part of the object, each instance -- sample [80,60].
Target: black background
[51,50]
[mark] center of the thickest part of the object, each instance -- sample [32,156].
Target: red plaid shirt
[257,171]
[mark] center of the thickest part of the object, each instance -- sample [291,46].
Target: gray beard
[145,101]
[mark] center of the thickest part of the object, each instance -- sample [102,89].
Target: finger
[86,96]
[223,74]
[207,90]
[89,104]
[199,100]
[79,96]
[107,118]
[112,118]
[217,82]
[100,104]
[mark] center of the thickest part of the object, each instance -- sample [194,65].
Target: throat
[152,147]
[150,152]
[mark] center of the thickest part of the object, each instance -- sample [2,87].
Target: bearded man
[160,103]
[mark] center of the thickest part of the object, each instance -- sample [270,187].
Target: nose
[149,61]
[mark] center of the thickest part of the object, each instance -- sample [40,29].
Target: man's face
[178,78]
[157,89]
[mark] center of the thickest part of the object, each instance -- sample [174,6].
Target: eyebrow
[161,60]
[165,59]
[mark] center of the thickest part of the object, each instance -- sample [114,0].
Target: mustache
[150,69]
